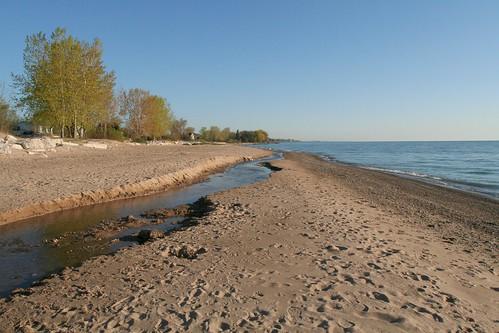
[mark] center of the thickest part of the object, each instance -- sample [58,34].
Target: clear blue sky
[322,70]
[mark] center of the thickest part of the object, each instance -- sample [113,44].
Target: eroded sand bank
[36,185]
[318,247]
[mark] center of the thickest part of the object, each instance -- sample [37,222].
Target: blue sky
[321,70]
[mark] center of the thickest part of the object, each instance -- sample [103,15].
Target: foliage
[140,140]
[65,85]
[257,136]
[214,134]
[107,131]
[158,118]
[179,130]
[115,134]
[145,115]
[8,117]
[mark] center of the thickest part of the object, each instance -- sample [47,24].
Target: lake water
[466,165]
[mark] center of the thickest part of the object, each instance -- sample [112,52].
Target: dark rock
[146,235]
[186,251]
[381,297]
[269,165]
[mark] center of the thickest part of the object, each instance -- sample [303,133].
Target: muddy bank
[33,187]
[305,251]
[182,216]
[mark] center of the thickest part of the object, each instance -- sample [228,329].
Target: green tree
[130,108]
[203,133]
[261,136]
[257,136]
[179,130]
[8,117]
[145,115]
[158,119]
[64,84]
[225,135]
[214,134]
[96,97]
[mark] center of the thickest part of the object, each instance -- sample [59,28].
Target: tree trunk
[75,127]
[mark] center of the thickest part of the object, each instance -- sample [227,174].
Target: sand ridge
[41,185]
[301,252]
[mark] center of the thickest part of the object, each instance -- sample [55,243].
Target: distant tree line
[226,135]
[66,88]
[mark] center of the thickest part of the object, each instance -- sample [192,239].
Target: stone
[147,235]
[334,248]
[51,143]
[33,144]
[184,251]
[381,297]
[16,146]
[10,139]
[5,148]
[40,144]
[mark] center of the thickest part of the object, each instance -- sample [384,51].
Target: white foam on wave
[401,172]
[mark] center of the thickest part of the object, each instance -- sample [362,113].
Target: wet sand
[318,247]
[33,185]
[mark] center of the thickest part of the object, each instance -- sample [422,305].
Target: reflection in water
[24,257]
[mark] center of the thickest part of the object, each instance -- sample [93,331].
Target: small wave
[489,190]
[480,172]
[407,173]
[475,184]
[468,166]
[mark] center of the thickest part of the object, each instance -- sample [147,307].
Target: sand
[32,185]
[318,247]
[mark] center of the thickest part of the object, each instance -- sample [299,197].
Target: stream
[25,256]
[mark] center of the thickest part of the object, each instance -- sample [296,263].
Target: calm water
[468,165]
[25,258]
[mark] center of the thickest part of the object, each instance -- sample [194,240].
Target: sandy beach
[32,185]
[319,247]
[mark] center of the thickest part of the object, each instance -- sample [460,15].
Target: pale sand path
[305,251]
[70,177]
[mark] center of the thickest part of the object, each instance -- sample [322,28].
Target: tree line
[214,133]
[66,88]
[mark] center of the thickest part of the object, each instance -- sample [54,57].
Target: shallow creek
[26,257]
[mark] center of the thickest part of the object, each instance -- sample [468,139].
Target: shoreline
[417,179]
[473,210]
[150,185]
[467,167]
[421,178]
[310,249]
